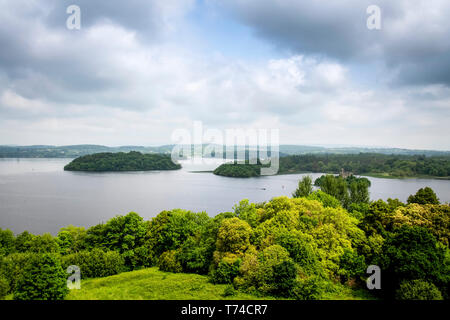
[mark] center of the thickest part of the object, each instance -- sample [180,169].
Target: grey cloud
[413,42]
[42,58]
[147,17]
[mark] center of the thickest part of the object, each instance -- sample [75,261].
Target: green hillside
[152,284]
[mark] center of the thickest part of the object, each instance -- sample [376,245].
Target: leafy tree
[305,187]
[141,257]
[259,271]
[196,254]
[23,242]
[301,249]
[170,229]
[13,266]
[412,253]
[6,242]
[417,290]
[351,190]
[424,196]
[247,211]
[326,199]
[359,191]
[95,263]
[71,239]
[96,237]
[44,243]
[378,218]
[435,218]
[226,271]
[284,275]
[124,233]
[351,265]
[233,236]
[168,262]
[4,287]
[43,279]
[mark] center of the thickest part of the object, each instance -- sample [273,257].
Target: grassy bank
[152,284]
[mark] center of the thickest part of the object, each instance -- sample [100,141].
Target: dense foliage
[238,170]
[42,279]
[349,191]
[312,246]
[95,263]
[424,196]
[131,161]
[368,163]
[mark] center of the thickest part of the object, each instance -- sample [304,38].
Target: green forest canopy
[303,248]
[368,163]
[120,161]
[237,170]
[357,164]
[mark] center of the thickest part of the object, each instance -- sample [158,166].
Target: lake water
[39,196]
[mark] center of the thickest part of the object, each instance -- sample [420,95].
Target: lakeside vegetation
[311,246]
[238,170]
[73,151]
[131,161]
[369,164]
[43,151]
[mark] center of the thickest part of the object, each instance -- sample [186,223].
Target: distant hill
[42,151]
[73,151]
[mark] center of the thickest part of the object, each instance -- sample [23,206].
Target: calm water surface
[39,196]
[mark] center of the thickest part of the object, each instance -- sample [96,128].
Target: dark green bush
[417,290]
[168,262]
[4,287]
[424,196]
[351,265]
[300,250]
[42,279]
[308,289]
[196,256]
[284,275]
[139,257]
[95,263]
[13,265]
[412,253]
[229,291]
[225,272]
[6,242]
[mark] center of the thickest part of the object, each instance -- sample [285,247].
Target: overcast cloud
[137,70]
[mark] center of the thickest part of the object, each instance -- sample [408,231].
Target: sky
[136,71]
